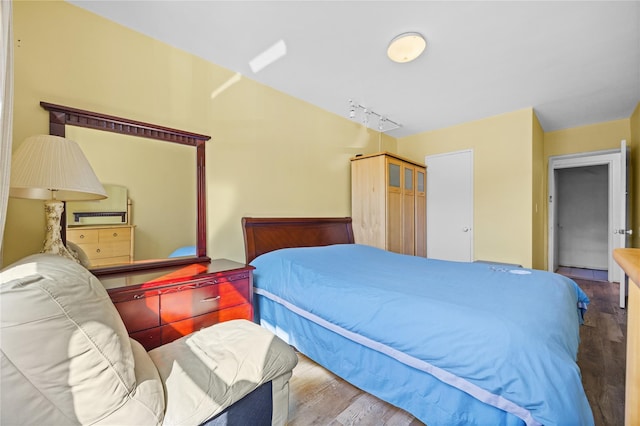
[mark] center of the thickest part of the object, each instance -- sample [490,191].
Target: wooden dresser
[105,244]
[161,305]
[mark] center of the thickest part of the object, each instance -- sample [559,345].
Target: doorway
[582,196]
[569,231]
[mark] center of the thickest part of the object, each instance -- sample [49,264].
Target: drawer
[83,236]
[109,261]
[114,235]
[139,314]
[150,339]
[173,331]
[192,302]
[103,250]
[228,277]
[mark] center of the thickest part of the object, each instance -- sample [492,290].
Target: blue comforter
[507,336]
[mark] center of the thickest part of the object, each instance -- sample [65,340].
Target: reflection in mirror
[160,182]
[113,210]
[100,234]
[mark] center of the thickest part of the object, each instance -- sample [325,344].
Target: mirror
[153,179]
[162,176]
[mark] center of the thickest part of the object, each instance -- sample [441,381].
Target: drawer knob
[81,236]
[97,250]
[210,299]
[115,234]
[138,296]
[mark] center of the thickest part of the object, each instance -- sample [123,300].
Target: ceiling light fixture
[406,47]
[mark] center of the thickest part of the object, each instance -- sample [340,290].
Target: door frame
[610,158]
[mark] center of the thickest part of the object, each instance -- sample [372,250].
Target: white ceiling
[574,62]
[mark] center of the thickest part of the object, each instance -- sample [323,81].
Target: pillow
[66,355]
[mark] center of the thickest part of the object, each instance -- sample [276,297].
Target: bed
[449,342]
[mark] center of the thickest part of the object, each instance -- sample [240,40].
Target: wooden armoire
[388,203]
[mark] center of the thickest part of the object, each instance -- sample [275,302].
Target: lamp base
[53,239]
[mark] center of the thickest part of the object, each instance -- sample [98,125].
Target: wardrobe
[388,203]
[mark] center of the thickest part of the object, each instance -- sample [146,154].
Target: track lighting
[384,124]
[352,110]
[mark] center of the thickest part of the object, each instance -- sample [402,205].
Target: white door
[450,206]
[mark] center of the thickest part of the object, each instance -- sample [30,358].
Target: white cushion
[66,355]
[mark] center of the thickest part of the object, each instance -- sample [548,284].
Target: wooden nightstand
[161,305]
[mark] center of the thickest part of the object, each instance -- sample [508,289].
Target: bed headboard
[262,235]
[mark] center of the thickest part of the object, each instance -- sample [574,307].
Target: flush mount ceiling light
[406,47]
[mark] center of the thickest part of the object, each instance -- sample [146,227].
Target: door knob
[466,229]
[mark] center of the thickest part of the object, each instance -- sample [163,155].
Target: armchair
[66,358]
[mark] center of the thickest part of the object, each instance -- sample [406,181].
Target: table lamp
[53,169]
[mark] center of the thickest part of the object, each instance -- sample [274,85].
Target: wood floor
[317,397]
[583,273]
[602,352]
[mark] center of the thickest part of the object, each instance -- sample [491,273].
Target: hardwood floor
[583,273]
[602,352]
[317,397]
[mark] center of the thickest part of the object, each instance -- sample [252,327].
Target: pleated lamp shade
[51,167]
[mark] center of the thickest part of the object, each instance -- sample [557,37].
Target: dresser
[629,261]
[388,203]
[105,244]
[160,305]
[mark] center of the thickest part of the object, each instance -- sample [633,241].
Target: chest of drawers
[104,245]
[160,306]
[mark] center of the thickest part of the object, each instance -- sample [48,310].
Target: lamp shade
[51,167]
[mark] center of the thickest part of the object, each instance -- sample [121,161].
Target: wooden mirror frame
[61,116]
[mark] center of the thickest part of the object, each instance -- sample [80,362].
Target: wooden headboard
[262,235]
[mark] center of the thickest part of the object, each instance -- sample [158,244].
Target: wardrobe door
[368,201]
[408,209]
[421,213]
[394,175]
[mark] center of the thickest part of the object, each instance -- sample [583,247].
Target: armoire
[388,203]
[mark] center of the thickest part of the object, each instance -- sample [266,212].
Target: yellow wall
[539,234]
[594,137]
[270,154]
[503,180]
